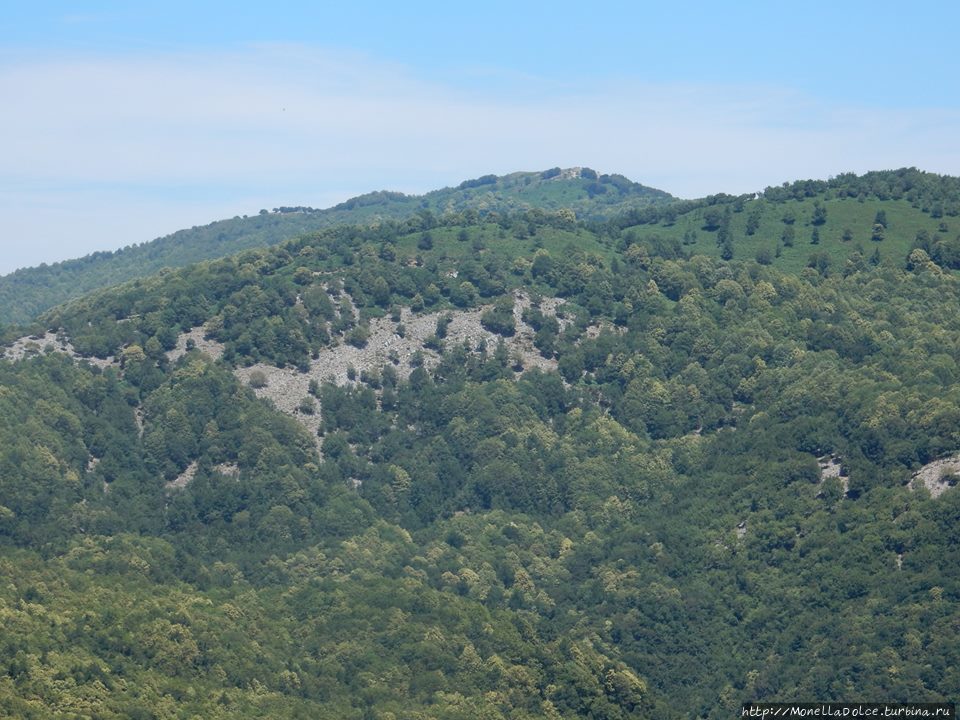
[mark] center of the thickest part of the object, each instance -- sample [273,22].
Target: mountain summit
[26,293]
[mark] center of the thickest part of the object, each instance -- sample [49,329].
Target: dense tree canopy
[644,526]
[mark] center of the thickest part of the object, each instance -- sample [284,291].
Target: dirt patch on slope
[210,347]
[937,476]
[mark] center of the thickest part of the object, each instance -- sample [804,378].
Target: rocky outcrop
[938,476]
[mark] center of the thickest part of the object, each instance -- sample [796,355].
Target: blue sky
[126,121]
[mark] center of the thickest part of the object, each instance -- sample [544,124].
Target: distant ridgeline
[26,293]
[499,465]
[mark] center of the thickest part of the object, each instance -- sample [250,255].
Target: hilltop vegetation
[651,530]
[822,225]
[26,293]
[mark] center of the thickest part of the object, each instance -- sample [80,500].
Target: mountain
[26,293]
[507,466]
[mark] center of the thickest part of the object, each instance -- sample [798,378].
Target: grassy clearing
[903,223]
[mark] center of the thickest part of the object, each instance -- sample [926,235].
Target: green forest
[27,292]
[701,495]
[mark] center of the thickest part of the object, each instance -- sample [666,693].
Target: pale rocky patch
[138,420]
[34,345]
[830,467]
[184,478]
[287,387]
[231,470]
[593,331]
[210,347]
[935,475]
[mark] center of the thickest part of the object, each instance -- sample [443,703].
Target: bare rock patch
[832,467]
[197,335]
[184,478]
[287,387]
[34,345]
[937,476]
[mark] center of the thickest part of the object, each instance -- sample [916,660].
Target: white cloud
[289,125]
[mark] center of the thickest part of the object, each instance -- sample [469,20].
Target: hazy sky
[124,121]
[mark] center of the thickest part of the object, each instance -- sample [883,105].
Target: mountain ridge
[27,292]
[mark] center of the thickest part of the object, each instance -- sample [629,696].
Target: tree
[443,322]
[302,276]
[499,319]
[820,262]
[431,295]
[726,250]
[359,336]
[786,237]
[543,265]
[381,292]
[819,214]
[724,235]
[464,294]
[712,218]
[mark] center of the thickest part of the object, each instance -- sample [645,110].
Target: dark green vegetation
[26,293]
[824,225]
[643,533]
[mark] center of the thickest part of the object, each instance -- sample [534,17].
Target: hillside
[461,466]
[824,225]
[26,293]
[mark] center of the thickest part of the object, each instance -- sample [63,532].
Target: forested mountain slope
[701,494]
[26,293]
